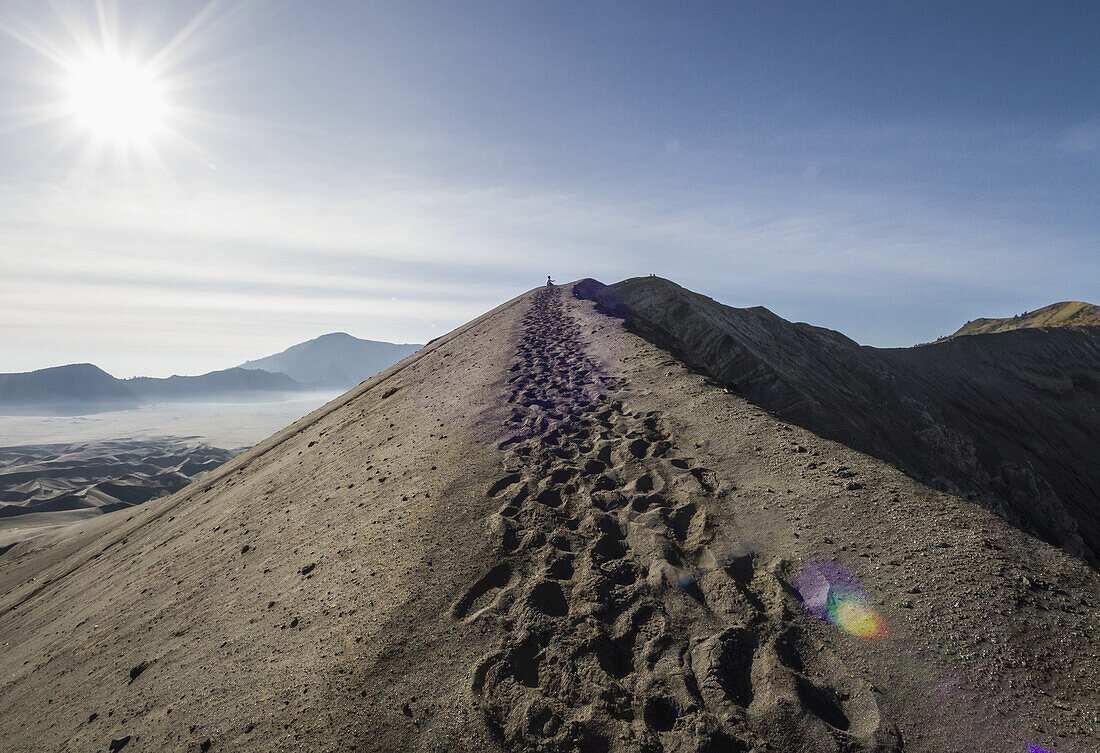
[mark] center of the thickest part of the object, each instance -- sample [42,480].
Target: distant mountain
[334,360]
[82,388]
[227,383]
[65,390]
[1064,314]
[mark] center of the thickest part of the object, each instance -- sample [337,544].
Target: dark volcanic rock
[1010,420]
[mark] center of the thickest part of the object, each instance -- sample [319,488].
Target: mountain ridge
[542,532]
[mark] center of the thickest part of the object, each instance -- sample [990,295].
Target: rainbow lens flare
[685,578]
[1037,749]
[830,592]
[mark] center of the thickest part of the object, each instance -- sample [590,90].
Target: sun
[116,85]
[116,100]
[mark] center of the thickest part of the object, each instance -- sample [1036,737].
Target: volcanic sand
[543,533]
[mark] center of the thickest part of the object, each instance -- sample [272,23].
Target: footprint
[823,702]
[742,568]
[560,570]
[504,483]
[608,548]
[496,578]
[614,656]
[520,495]
[550,497]
[594,467]
[548,598]
[643,483]
[706,478]
[561,475]
[681,519]
[605,483]
[727,663]
[561,543]
[525,659]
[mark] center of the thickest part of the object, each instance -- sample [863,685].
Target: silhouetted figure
[549,282]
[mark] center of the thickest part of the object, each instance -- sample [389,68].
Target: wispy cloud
[406,261]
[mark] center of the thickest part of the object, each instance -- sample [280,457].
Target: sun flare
[117,89]
[116,100]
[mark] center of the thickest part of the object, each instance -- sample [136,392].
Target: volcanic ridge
[547,532]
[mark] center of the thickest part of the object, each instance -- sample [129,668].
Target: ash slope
[1009,420]
[481,549]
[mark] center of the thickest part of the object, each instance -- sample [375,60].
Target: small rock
[135,671]
[119,743]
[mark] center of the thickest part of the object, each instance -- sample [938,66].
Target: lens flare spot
[830,592]
[859,619]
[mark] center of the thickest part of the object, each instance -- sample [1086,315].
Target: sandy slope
[543,533]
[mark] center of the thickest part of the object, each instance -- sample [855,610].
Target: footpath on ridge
[614,639]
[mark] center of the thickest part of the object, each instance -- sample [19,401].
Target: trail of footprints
[621,630]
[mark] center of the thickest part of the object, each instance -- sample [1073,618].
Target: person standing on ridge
[549,282]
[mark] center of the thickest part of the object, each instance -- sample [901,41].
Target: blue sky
[886,169]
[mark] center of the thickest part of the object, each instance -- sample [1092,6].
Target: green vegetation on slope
[1064,314]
